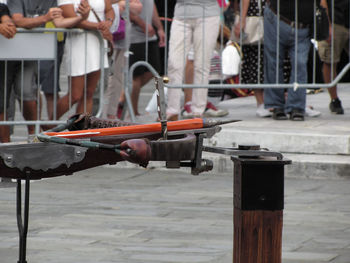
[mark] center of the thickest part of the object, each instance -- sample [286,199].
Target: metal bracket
[41,156]
[242,152]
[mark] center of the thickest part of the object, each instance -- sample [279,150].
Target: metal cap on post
[258,207]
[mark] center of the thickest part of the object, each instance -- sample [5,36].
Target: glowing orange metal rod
[189,124]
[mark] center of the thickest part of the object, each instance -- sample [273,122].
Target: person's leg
[26,90]
[115,85]
[189,78]
[85,102]
[327,78]
[179,45]
[138,83]
[30,113]
[273,62]
[296,99]
[4,99]
[4,130]
[72,97]
[259,96]
[205,34]
[330,57]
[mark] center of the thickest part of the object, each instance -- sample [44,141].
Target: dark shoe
[278,114]
[296,115]
[335,106]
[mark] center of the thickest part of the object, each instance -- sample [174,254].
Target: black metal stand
[22,224]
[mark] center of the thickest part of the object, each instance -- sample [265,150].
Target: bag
[321,24]
[253,31]
[119,34]
[231,59]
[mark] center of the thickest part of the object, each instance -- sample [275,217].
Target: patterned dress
[251,63]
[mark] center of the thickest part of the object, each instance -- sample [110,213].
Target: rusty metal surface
[85,121]
[40,156]
[43,160]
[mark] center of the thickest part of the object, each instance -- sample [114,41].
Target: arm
[104,26]
[141,23]
[241,24]
[68,11]
[324,4]
[31,22]
[68,22]
[135,6]
[160,31]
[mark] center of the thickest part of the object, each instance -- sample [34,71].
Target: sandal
[278,114]
[296,115]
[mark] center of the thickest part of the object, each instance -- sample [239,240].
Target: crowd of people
[190,49]
[287,38]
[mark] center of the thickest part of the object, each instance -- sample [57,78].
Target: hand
[84,9]
[151,31]
[104,25]
[161,36]
[237,30]
[135,6]
[238,27]
[8,29]
[53,13]
[106,34]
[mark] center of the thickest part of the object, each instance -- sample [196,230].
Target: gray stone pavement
[117,214]
[127,214]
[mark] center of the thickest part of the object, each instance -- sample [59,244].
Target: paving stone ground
[115,214]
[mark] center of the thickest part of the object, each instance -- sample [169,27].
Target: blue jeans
[275,97]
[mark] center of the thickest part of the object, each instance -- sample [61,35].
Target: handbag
[119,34]
[231,59]
[321,25]
[253,31]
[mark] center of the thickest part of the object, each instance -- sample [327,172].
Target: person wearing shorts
[48,69]
[145,47]
[30,14]
[330,50]
[7,72]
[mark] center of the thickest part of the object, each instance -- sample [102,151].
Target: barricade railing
[312,81]
[35,46]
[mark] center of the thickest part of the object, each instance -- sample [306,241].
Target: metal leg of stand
[22,224]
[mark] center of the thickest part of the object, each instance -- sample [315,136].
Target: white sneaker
[309,111]
[187,113]
[262,112]
[212,111]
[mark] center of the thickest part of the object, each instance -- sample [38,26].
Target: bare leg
[326,70]
[92,80]
[259,96]
[49,104]
[30,113]
[4,130]
[71,98]
[189,78]
[138,83]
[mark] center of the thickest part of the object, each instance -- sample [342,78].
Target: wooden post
[258,209]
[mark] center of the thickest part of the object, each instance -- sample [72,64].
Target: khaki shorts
[341,41]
